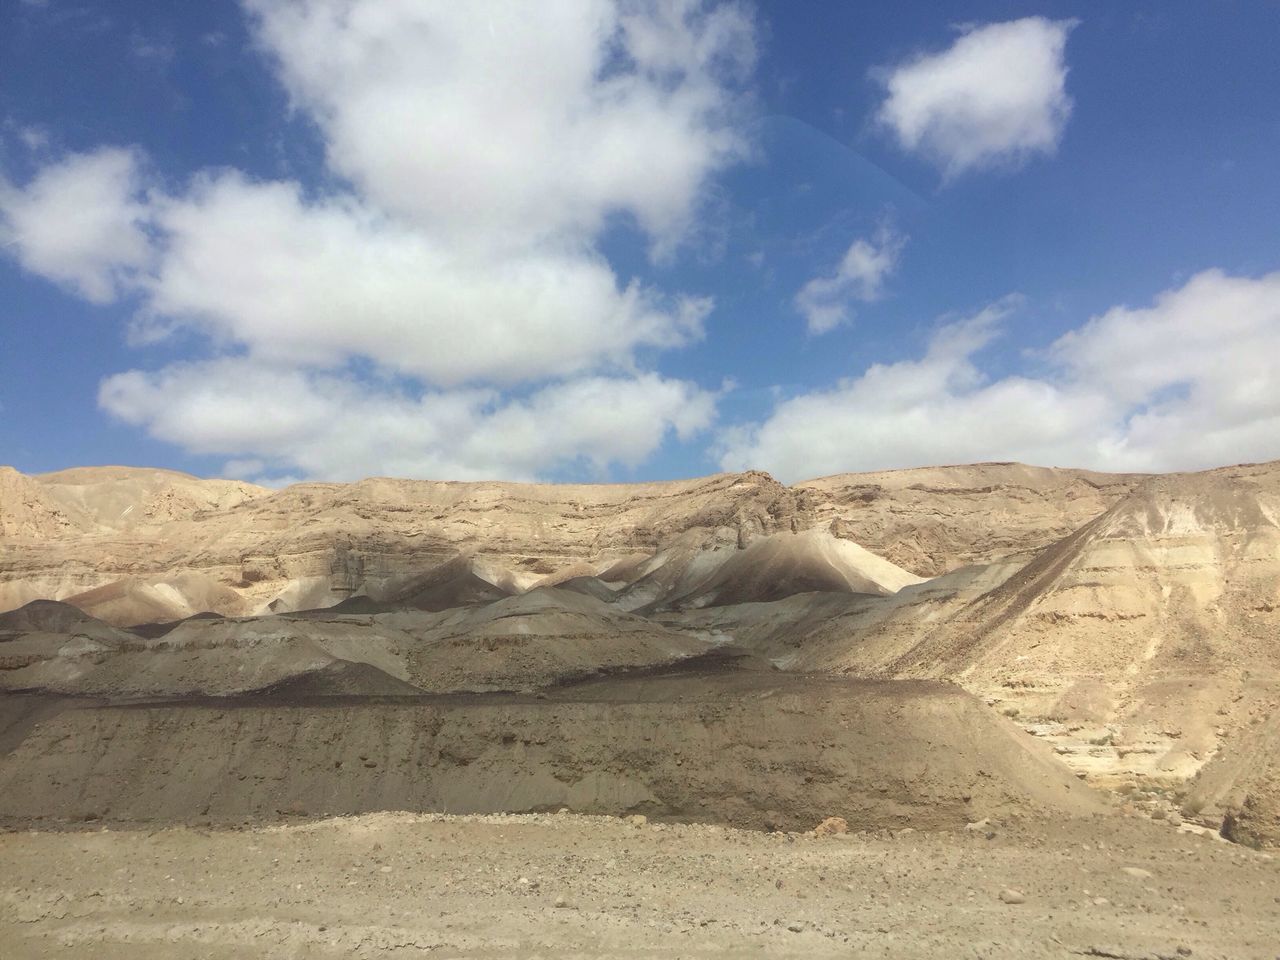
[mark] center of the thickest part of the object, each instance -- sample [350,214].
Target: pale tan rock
[831,826]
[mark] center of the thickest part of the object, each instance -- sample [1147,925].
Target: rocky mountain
[1144,646]
[1129,624]
[133,545]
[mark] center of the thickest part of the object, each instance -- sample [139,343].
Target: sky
[619,240]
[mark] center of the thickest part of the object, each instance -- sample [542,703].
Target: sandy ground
[573,886]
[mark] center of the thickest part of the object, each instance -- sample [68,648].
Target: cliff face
[1145,645]
[170,543]
[133,544]
[28,512]
[934,519]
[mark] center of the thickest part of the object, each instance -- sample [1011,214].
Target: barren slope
[125,498]
[1142,646]
[706,741]
[168,544]
[543,637]
[316,544]
[933,519]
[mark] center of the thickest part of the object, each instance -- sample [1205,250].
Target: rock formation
[1129,623]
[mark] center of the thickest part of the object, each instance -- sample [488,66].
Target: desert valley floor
[1029,711]
[547,885]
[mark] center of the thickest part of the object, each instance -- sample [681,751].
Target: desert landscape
[990,710]
[639,479]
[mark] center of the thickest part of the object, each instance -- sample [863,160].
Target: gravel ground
[567,886]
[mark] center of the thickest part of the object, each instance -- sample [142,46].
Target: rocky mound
[156,630]
[453,584]
[746,748]
[138,600]
[533,640]
[524,642]
[51,616]
[197,657]
[783,564]
[341,678]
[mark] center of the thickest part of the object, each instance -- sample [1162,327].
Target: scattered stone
[832,826]
[1110,953]
[1137,872]
[979,826]
[562,903]
[1009,895]
[637,820]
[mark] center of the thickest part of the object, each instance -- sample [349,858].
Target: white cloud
[484,149]
[313,284]
[1187,383]
[997,96]
[1195,374]
[275,420]
[860,275]
[80,222]
[504,128]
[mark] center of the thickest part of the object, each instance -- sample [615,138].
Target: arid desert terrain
[991,710]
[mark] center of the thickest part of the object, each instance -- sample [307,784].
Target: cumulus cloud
[824,301]
[1189,382]
[483,151]
[997,96]
[504,128]
[315,283]
[80,222]
[1194,374]
[281,420]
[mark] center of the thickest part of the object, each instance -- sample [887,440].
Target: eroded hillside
[133,545]
[1128,624]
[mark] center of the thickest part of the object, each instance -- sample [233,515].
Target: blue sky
[332,239]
